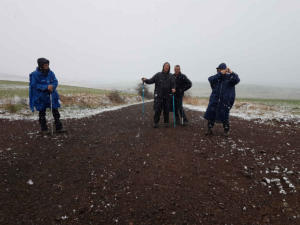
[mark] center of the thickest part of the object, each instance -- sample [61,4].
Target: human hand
[50,88]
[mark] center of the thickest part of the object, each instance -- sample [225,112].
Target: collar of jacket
[44,73]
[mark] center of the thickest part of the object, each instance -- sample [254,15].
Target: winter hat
[42,61]
[222,66]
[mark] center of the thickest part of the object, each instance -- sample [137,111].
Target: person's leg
[166,108]
[181,110]
[42,120]
[177,109]
[58,124]
[157,112]
[226,126]
[210,125]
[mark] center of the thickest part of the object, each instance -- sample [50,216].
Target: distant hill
[201,89]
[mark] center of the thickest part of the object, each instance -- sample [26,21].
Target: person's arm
[54,82]
[234,79]
[213,80]
[173,84]
[187,84]
[150,81]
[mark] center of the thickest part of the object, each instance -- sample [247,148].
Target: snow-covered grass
[77,102]
[255,109]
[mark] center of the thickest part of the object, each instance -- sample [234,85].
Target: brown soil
[113,168]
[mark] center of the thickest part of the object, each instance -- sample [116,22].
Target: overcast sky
[96,41]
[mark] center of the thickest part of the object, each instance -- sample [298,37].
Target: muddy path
[114,168]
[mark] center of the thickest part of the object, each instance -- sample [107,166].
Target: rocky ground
[114,168]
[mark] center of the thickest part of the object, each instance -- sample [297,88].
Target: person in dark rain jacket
[222,97]
[43,83]
[164,87]
[182,85]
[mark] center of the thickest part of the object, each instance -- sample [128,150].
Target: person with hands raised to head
[164,88]
[222,98]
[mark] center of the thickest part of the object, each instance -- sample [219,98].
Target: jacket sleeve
[187,84]
[54,81]
[34,84]
[234,79]
[173,82]
[151,80]
[30,93]
[213,80]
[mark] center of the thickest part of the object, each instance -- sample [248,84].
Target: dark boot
[155,125]
[209,132]
[210,125]
[226,127]
[43,121]
[57,122]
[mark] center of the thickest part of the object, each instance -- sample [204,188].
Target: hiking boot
[209,132]
[45,132]
[185,123]
[226,133]
[155,125]
[60,131]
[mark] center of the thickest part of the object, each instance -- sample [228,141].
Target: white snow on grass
[256,113]
[67,113]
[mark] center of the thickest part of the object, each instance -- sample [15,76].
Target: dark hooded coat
[222,97]
[164,83]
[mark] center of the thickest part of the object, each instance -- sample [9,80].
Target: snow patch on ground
[66,113]
[250,112]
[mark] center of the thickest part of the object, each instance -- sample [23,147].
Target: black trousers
[162,105]
[43,121]
[179,109]
[226,124]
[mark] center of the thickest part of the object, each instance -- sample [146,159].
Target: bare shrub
[12,108]
[147,93]
[115,97]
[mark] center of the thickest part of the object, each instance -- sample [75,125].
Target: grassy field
[9,89]
[93,98]
[269,102]
[14,96]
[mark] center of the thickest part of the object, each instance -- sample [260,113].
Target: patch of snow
[255,113]
[30,182]
[68,112]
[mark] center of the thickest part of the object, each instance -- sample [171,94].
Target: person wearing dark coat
[222,97]
[182,85]
[164,87]
[43,83]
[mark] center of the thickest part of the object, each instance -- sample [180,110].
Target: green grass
[279,102]
[7,90]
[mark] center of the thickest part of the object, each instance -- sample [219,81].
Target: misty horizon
[90,41]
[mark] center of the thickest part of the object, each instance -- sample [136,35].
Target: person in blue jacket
[43,83]
[222,98]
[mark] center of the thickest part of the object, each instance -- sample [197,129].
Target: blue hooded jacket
[222,97]
[39,96]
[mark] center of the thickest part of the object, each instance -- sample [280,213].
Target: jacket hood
[164,66]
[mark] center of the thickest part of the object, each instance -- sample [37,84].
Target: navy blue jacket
[39,96]
[222,97]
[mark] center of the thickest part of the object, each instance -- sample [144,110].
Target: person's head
[177,69]
[43,63]
[166,68]
[222,68]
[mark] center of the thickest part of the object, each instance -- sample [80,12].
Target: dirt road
[113,168]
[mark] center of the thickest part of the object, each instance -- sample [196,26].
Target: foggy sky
[96,41]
